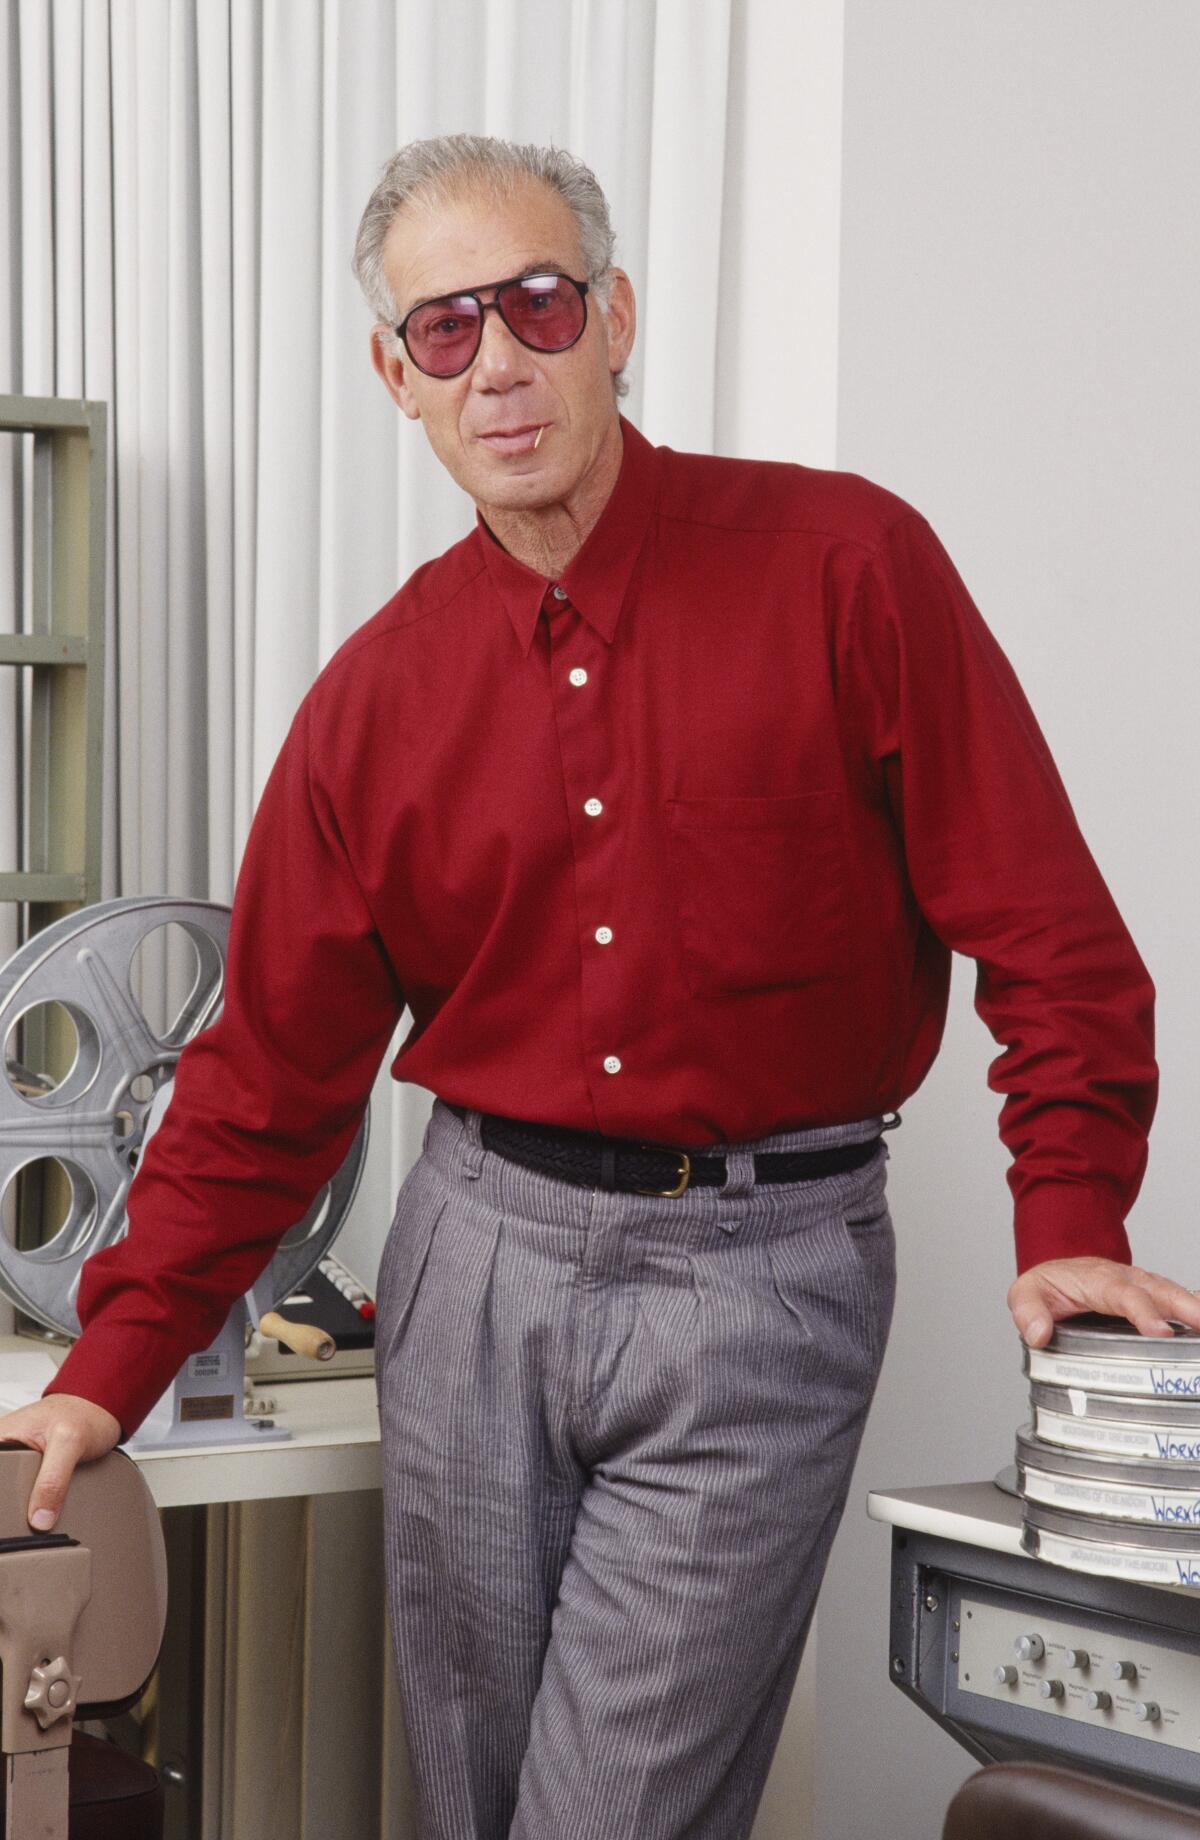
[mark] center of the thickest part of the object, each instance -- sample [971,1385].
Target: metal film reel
[93,1120]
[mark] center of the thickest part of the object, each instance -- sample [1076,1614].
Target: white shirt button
[593,807]
[560,594]
[579,675]
[604,934]
[611,1064]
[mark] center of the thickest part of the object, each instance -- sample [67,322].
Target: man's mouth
[514,440]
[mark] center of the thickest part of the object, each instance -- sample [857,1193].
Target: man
[660,800]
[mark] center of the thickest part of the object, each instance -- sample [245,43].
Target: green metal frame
[64,652]
[61,808]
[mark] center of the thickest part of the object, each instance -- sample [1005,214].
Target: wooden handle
[301,1338]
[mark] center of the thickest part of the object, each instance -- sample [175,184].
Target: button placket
[594,820]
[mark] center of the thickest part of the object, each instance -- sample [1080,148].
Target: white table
[963,1594]
[976,1513]
[333,1450]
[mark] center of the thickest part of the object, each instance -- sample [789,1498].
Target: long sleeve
[1002,874]
[266,1103]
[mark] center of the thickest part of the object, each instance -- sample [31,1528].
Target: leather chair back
[1039,1801]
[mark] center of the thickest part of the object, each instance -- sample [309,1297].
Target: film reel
[1104,1354]
[92,1119]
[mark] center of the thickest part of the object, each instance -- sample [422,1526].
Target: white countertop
[334,1447]
[977,1513]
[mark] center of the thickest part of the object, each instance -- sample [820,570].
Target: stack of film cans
[1109,1468]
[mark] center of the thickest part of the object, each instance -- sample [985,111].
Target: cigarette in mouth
[541,431]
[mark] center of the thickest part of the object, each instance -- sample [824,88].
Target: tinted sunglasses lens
[442,336]
[544,310]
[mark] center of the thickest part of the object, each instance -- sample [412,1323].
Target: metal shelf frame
[64,651]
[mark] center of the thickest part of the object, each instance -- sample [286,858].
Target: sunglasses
[545,312]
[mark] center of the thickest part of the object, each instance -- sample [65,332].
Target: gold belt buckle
[686,1171]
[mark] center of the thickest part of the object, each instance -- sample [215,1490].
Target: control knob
[1099,1701]
[1124,1670]
[1079,1658]
[1050,1689]
[1006,1674]
[1147,1712]
[1029,1648]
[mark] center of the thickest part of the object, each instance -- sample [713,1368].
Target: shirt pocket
[760,888]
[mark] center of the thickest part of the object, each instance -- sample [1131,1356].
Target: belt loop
[608,1166]
[739,1173]
[474,1151]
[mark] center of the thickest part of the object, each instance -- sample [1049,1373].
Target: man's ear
[387,356]
[620,320]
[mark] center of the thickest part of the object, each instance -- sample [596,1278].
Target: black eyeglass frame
[536,274]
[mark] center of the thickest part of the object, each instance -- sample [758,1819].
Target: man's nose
[501,358]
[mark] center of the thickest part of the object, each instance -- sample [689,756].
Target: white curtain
[182,184]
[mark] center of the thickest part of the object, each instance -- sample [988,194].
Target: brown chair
[111,1795]
[82,1612]
[1039,1801]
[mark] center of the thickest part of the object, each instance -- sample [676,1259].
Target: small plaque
[206,1405]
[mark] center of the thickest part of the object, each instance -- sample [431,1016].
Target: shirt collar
[597,577]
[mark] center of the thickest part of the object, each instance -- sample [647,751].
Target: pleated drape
[184,180]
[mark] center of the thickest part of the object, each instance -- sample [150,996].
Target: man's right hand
[67,1430]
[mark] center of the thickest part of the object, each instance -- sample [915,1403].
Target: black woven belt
[596,1161]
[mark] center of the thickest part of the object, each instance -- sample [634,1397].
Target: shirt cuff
[1065,1220]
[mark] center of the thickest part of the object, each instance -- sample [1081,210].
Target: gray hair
[435,169]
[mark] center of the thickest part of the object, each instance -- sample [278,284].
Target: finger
[52,1482]
[1136,1303]
[1173,1299]
[1032,1317]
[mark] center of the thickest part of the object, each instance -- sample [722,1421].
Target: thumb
[1032,1317]
[52,1481]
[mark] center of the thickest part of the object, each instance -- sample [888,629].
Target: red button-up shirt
[676,849]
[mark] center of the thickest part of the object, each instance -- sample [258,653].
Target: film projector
[113,1086]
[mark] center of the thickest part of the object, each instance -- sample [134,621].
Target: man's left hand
[1046,1293]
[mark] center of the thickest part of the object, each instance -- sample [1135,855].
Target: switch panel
[1151,1692]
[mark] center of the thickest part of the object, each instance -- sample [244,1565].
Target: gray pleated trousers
[618,1432]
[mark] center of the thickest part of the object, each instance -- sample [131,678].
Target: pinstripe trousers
[618,1432]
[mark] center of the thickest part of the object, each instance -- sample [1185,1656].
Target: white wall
[1020,293]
